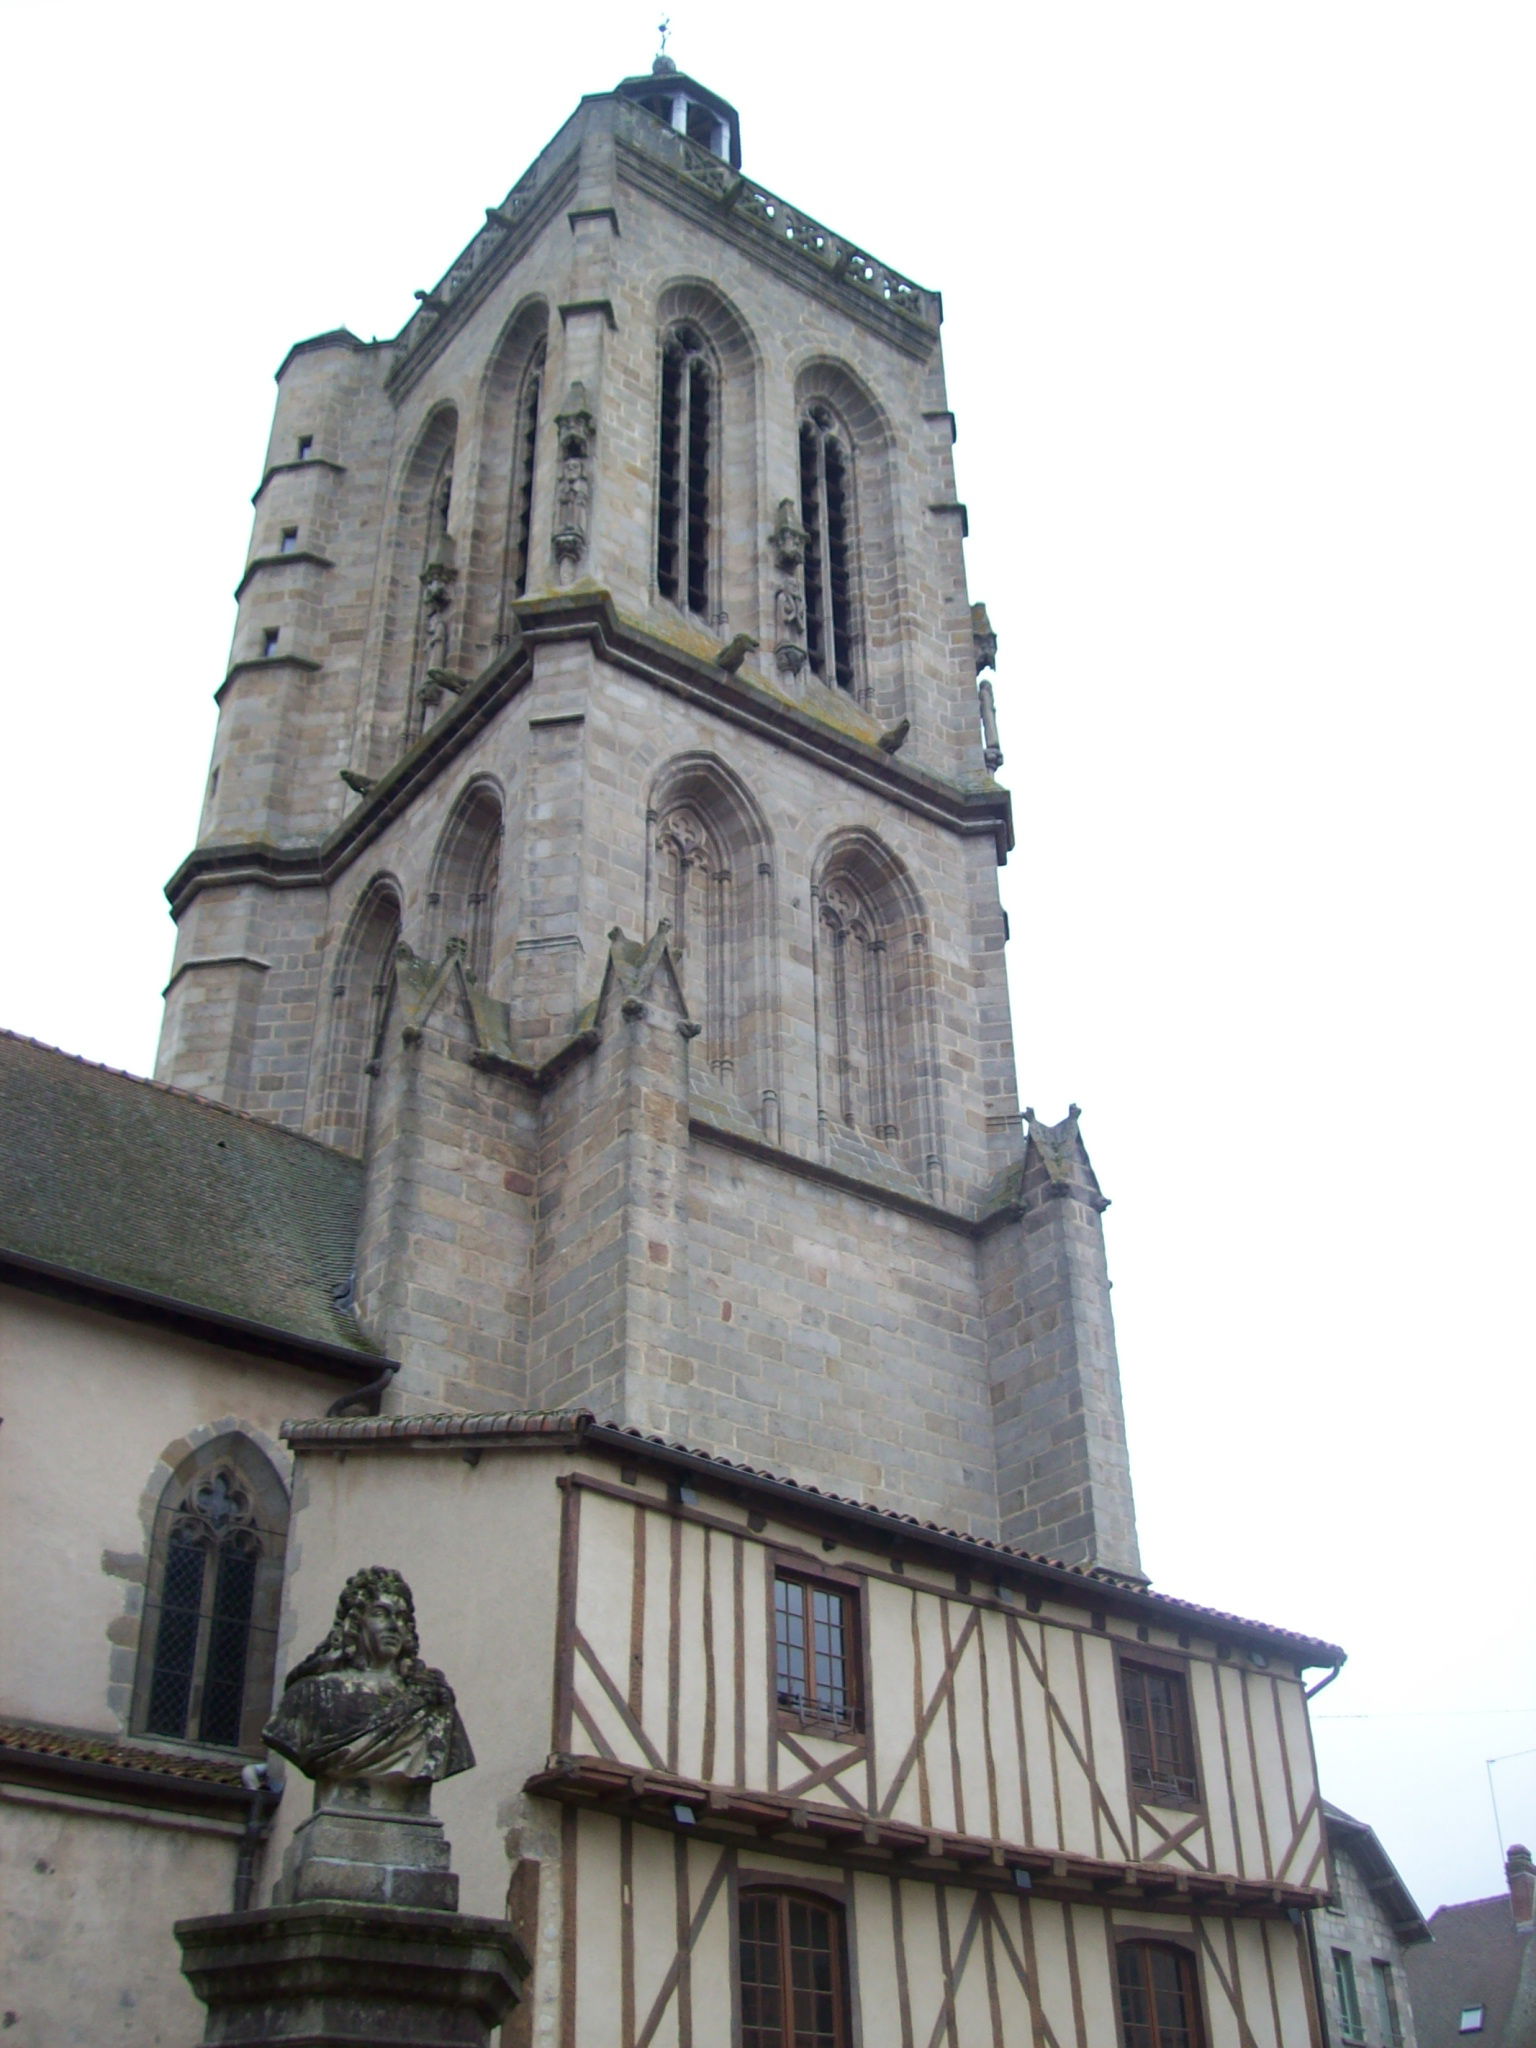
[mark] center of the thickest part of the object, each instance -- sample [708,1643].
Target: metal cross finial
[664,29]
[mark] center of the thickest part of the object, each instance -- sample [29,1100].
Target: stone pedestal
[333,1974]
[371,1842]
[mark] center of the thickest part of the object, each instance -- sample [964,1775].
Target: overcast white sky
[1240,324]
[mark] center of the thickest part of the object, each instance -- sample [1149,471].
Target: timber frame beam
[864,1842]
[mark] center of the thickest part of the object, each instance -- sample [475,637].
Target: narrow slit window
[685,519]
[289,541]
[1158,1735]
[825,513]
[525,458]
[269,639]
[1350,2025]
[790,1953]
[815,1656]
[306,446]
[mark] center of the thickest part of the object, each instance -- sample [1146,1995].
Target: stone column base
[333,1974]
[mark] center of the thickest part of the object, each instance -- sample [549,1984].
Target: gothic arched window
[363,997]
[710,875]
[208,1640]
[877,1060]
[465,874]
[826,512]
[792,1964]
[1159,1996]
[686,482]
[525,449]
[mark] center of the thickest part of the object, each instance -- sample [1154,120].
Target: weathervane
[664,29]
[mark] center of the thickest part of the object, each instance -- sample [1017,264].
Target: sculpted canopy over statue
[363,1705]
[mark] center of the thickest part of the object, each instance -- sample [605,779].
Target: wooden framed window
[1159,1738]
[1159,1996]
[1347,1992]
[816,1651]
[793,1974]
[208,1642]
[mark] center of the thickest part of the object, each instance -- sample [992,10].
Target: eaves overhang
[210,1325]
[1096,1587]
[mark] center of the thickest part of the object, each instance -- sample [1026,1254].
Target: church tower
[601,843]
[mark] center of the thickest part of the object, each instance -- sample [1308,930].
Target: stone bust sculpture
[363,1705]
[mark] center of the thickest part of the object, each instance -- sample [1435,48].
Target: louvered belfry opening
[824,513]
[687,461]
[524,456]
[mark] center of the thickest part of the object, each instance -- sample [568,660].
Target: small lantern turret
[688,107]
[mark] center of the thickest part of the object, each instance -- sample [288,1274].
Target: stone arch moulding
[361,986]
[730,499]
[877,1071]
[515,407]
[709,871]
[424,606]
[859,547]
[464,882]
[216,1518]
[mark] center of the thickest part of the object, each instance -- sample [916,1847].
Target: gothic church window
[710,877]
[792,1970]
[465,877]
[826,485]
[524,461]
[209,1634]
[687,484]
[877,1064]
[363,997]
[1159,1997]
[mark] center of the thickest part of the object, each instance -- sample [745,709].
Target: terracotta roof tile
[82,1747]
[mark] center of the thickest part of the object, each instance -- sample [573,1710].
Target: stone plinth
[370,1842]
[332,1974]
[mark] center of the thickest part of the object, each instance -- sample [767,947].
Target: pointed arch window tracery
[697,887]
[208,1638]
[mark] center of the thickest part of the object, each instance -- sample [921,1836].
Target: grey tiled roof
[137,1185]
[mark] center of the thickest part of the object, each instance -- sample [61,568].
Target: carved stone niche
[363,1941]
[575,429]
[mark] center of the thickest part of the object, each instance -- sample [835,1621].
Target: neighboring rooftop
[137,1187]
[1379,1872]
[1475,1980]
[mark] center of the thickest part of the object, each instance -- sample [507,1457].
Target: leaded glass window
[208,1636]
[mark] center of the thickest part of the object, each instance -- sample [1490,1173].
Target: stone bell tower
[602,842]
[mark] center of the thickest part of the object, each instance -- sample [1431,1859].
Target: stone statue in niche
[436,597]
[788,543]
[363,1706]
[575,428]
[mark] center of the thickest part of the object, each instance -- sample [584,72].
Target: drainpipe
[1314,1690]
[264,1784]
